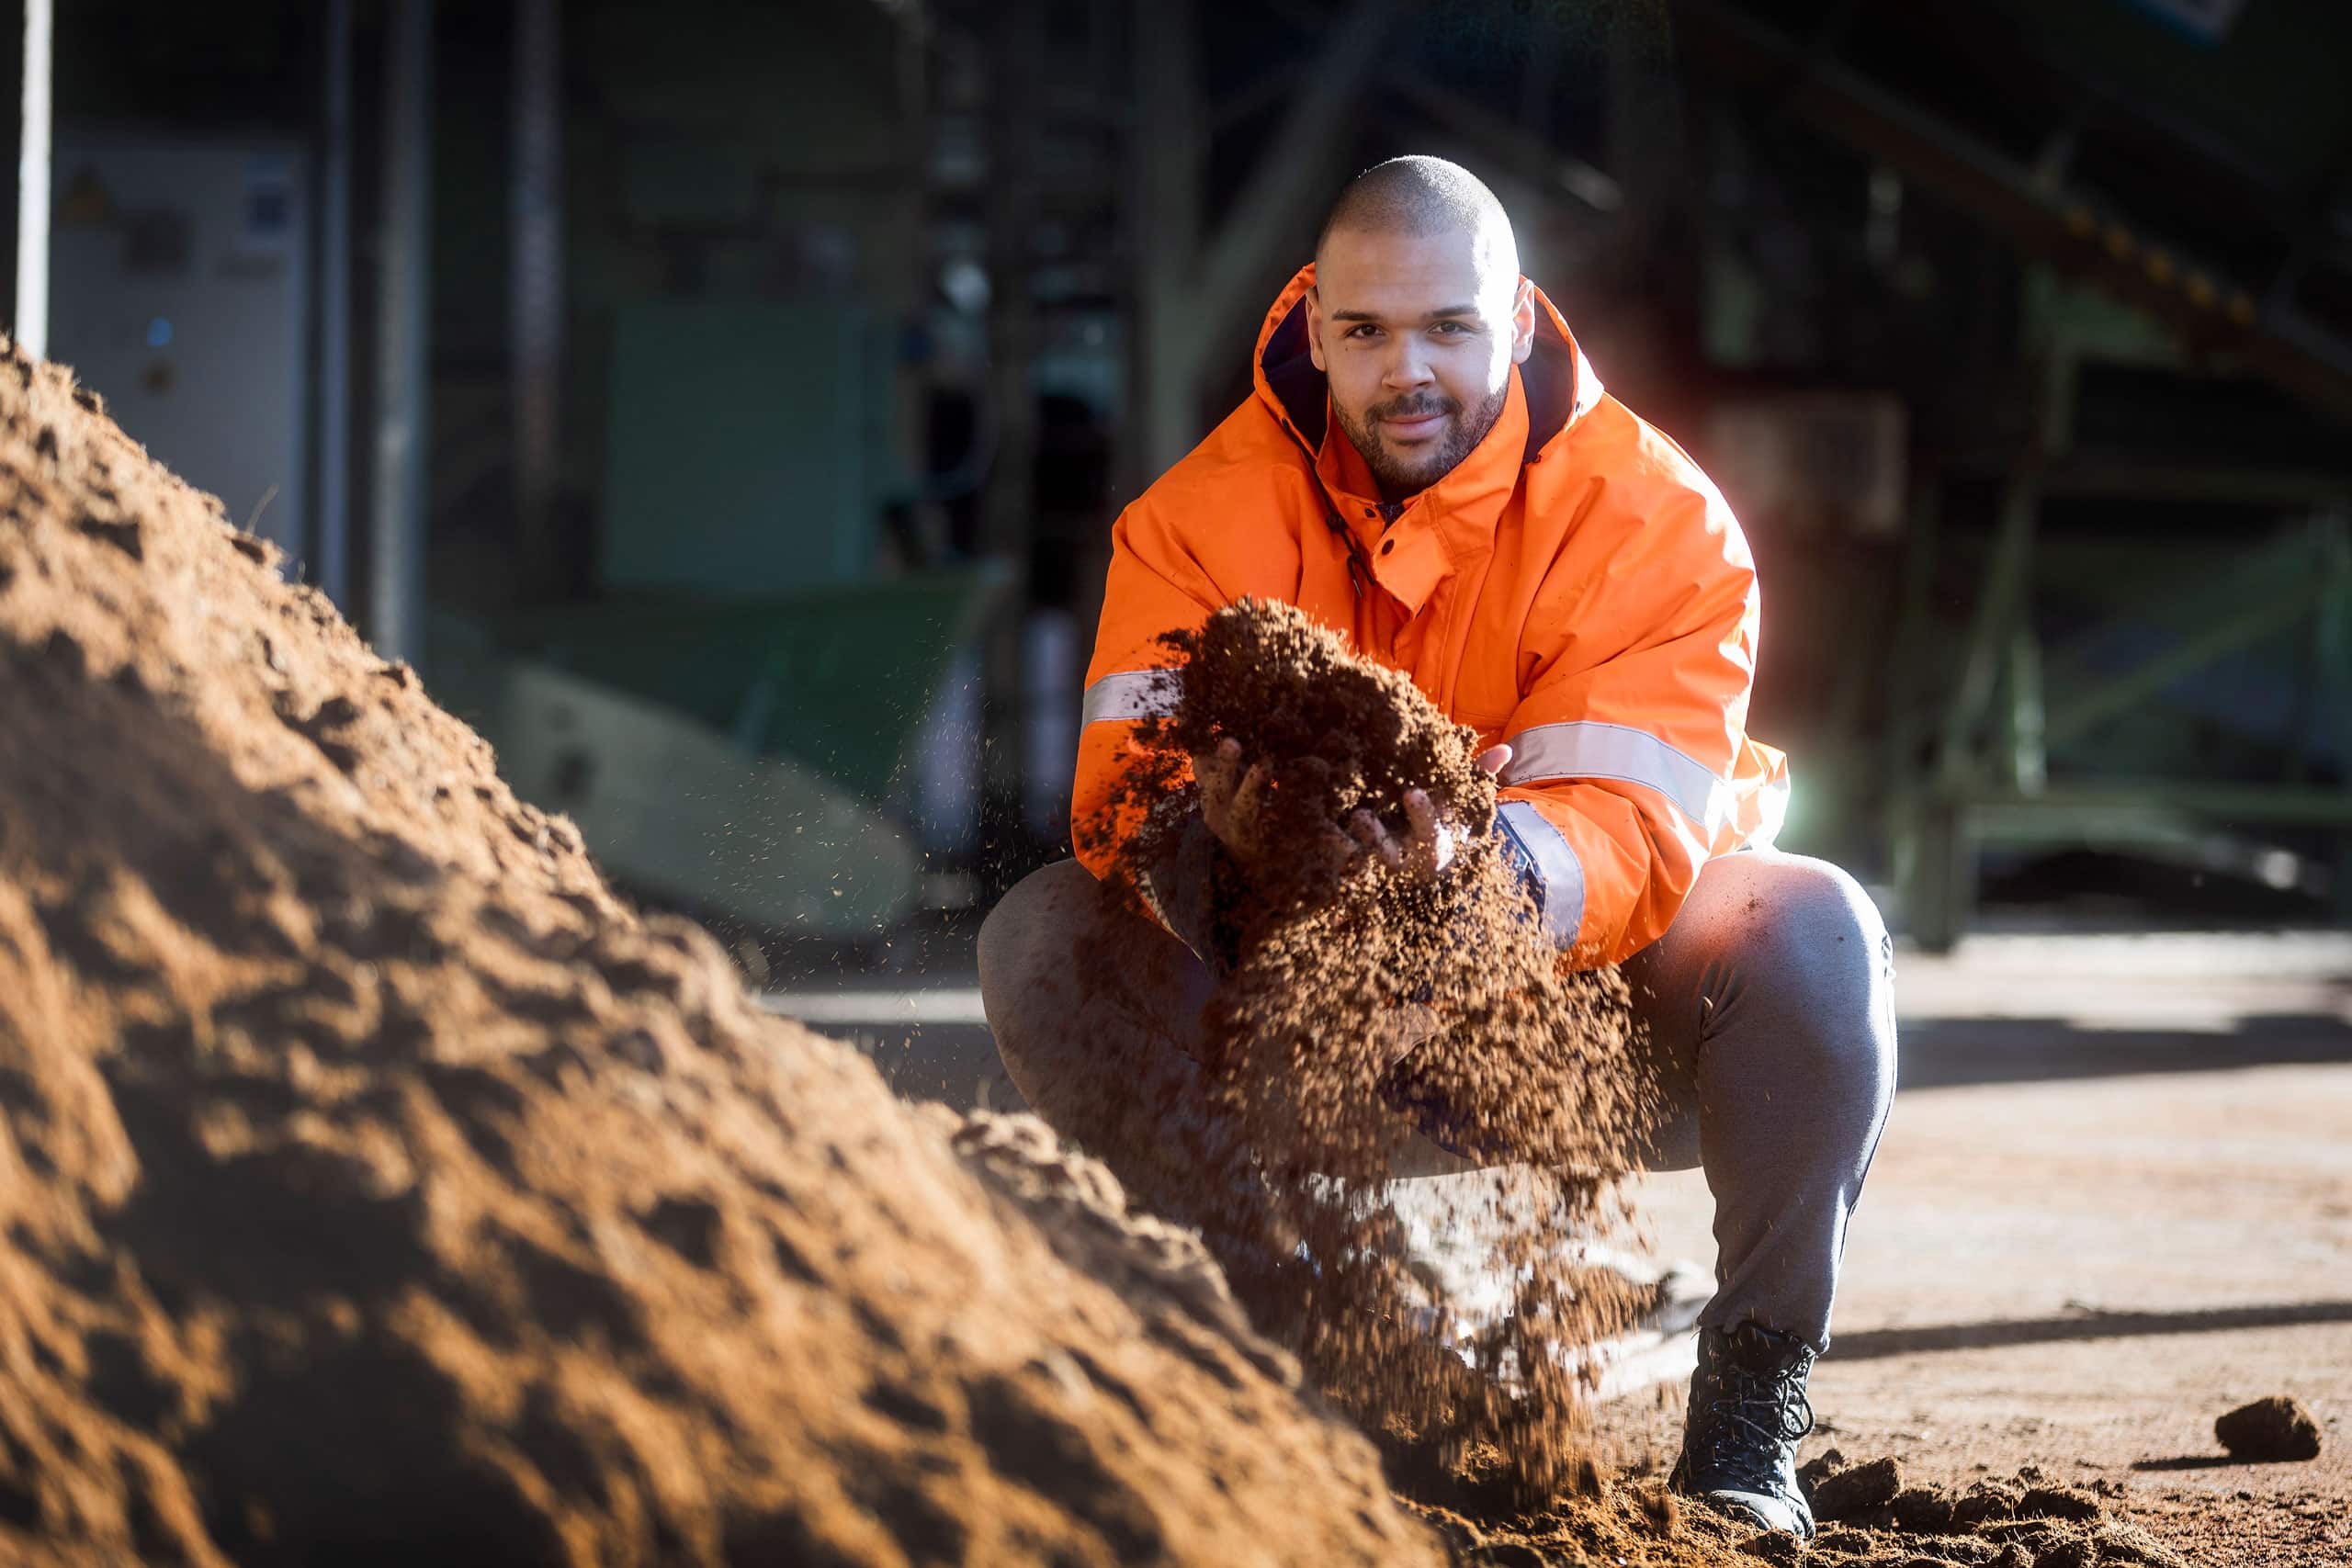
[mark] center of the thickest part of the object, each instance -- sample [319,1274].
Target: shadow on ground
[1873,1344]
[1944,1052]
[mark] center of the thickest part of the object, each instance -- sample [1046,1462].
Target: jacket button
[1386,545]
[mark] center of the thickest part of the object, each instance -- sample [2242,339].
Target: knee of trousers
[1813,951]
[1031,930]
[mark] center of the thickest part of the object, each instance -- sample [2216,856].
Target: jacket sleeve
[1641,644]
[1156,585]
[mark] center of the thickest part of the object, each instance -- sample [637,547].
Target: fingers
[1234,800]
[1432,845]
[1421,812]
[1215,770]
[1249,796]
[1336,849]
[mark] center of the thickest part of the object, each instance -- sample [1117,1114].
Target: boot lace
[1751,1416]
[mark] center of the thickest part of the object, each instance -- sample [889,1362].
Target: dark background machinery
[725,404]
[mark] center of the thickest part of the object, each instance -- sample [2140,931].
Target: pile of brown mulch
[375,1188]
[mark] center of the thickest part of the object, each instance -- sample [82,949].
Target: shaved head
[1417,316]
[1420,197]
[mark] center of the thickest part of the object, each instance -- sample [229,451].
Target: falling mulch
[375,1187]
[2268,1431]
[1312,1071]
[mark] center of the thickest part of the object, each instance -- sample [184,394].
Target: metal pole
[396,584]
[32,187]
[1008,522]
[537,302]
[1166,227]
[333,574]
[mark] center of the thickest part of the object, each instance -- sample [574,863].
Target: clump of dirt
[1841,1494]
[374,1187]
[1312,1073]
[2273,1429]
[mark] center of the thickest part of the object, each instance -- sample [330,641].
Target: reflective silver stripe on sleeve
[1131,694]
[1772,801]
[1589,749]
[1557,871]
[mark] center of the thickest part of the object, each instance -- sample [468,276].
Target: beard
[1400,474]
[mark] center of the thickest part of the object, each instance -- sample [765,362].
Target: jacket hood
[1557,380]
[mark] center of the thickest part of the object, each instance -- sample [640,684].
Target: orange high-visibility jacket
[1575,587]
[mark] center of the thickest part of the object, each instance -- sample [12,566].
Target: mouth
[1413,427]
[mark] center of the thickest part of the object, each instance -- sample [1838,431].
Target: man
[1429,465]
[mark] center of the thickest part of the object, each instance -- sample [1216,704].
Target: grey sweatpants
[1769,1018]
[1769,1006]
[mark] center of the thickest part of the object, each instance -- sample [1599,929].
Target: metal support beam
[397,516]
[2331,633]
[331,562]
[2007,580]
[1530,156]
[2086,710]
[2241,805]
[1296,166]
[1019,44]
[2278,344]
[1168,151]
[32,187]
[536,306]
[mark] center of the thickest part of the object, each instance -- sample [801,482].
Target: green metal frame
[1977,769]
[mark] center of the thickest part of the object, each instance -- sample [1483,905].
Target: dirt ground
[2082,1268]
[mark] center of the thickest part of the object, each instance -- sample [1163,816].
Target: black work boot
[1747,1412]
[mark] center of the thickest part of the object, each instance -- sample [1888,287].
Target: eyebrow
[1432,316]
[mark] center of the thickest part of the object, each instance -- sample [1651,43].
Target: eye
[1453,329]
[1363,329]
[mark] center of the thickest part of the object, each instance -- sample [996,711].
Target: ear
[1522,324]
[1315,330]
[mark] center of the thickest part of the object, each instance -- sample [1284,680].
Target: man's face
[1417,335]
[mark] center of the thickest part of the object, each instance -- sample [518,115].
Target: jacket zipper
[1359,566]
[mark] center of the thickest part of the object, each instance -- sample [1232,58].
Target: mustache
[1417,406]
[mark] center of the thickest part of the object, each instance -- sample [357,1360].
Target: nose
[1408,365]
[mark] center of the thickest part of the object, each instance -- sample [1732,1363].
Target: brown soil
[376,1186]
[2268,1430]
[1869,1517]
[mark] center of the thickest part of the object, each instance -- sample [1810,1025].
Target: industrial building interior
[742,393]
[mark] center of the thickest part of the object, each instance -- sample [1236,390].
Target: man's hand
[1432,836]
[1232,798]
[1232,804]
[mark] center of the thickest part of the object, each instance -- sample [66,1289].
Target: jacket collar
[1453,521]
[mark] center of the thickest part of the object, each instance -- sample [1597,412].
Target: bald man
[1429,464]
